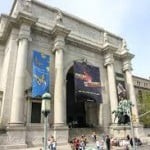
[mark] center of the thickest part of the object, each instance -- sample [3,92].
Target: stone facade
[141,86]
[32,25]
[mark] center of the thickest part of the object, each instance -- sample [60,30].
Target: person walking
[93,137]
[107,142]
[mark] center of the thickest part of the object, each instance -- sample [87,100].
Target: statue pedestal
[121,131]
[138,130]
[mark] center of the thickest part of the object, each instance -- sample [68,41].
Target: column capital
[59,44]
[59,33]
[25,21]
[24,32]
[127,66]
[127,57]
[108,51]
[108,59]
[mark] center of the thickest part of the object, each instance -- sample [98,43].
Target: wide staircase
[78,132]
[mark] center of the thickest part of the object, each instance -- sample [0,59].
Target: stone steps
[77,132]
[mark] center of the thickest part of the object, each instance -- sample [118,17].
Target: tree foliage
[144,106]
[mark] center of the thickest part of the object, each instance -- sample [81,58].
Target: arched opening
[80,112]
[76,114]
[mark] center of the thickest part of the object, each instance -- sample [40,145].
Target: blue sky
[129,19]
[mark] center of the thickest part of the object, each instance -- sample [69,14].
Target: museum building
[76,51]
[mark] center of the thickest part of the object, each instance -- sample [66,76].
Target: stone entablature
[3,21]
[80,30]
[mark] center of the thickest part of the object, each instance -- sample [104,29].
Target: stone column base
[16,137]
[61,134]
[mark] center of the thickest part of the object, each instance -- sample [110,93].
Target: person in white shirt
[98,145]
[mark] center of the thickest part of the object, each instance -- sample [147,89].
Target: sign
[40,74]
[87,83]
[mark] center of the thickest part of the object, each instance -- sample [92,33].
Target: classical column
[59,102]
[18,99]
[109,63]
[127,68]
[59,32]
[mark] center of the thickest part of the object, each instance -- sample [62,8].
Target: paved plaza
[92,146]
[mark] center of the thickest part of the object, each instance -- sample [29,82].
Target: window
[138,83]
[36,112]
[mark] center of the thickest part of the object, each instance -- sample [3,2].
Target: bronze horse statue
[123,112]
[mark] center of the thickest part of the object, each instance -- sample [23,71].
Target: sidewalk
[59,147]
[90,146]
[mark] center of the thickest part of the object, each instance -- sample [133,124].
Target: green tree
[144,106]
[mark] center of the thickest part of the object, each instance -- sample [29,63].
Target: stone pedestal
[139,130]
[121,131]
[16,137]
[61,134]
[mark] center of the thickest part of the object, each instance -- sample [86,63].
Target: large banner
[40,74]
[87,83]
[120,85]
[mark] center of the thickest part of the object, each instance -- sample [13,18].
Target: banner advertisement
[40,74]
[120,85]
[87,83]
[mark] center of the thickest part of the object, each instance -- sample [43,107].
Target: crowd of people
[126,142]
[79,143]
[101,142]
[104,142]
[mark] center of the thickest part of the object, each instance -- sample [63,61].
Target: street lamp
[132,129]
[46,97]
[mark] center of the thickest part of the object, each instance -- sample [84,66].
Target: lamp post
[46,97]
[132,130]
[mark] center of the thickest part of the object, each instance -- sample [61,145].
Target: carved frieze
[27,5]
[84,30]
